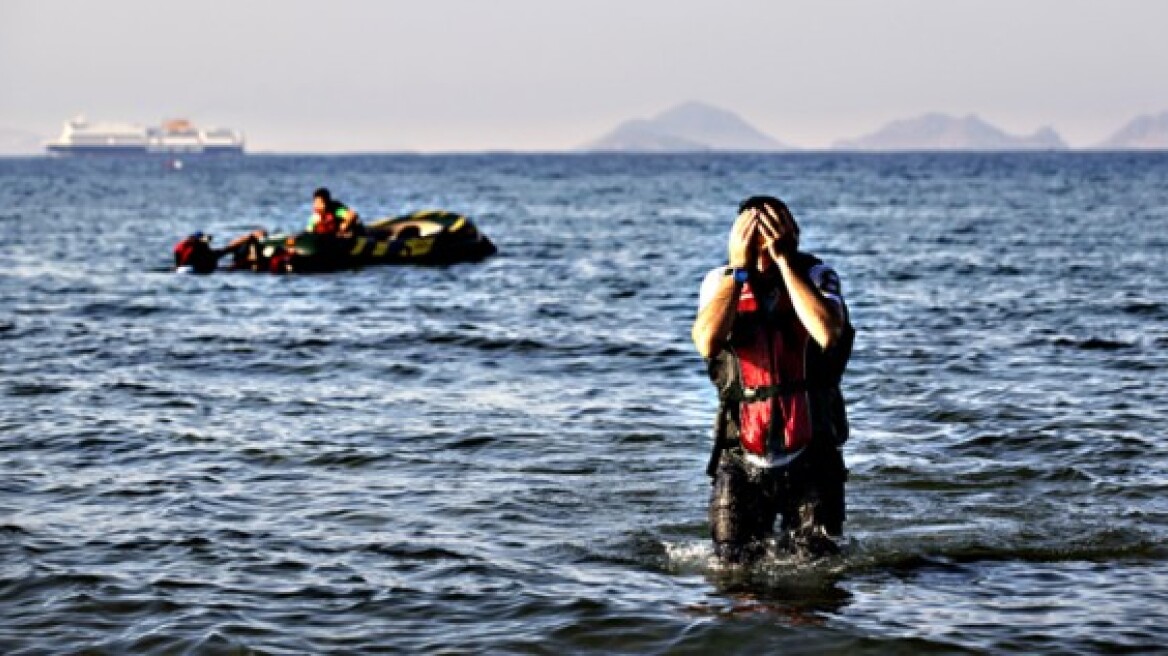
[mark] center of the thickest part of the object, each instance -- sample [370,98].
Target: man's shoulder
[822,274]
[811,262]
[808,260]
[712,275]
[709,284]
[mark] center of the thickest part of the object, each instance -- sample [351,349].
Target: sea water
[509,456]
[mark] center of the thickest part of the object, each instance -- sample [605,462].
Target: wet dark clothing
[807,496]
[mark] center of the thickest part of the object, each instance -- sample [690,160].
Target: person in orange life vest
[332,217]
[774,330]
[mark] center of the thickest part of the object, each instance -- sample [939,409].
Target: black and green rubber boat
[428,237]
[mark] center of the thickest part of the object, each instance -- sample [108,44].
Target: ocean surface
[508,457]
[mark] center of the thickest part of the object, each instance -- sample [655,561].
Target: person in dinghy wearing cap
[774,330]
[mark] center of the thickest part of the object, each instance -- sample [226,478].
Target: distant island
[1148,132]
[689,127]
[943,132]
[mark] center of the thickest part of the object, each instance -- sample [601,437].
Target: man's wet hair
[323,194]
[761,202]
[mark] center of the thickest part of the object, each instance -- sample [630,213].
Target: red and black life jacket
[330,220]
[779,391]
[327,225]
[195,252]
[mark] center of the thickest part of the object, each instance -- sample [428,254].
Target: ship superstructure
[178,136]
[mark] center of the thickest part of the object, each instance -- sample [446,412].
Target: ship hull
[70,150]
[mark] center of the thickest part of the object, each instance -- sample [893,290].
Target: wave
[1094,344]
[861,556]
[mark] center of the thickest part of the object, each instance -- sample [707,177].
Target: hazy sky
[550,74]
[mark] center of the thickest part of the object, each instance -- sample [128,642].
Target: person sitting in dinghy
[332,217]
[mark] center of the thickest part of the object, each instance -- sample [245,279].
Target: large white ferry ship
[178,136]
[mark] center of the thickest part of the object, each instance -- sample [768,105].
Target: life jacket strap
[738,393]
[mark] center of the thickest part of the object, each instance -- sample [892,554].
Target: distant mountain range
[1148,132]
[695,126]
[689,127]
[943,132]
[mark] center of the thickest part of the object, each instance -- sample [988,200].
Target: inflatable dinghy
[428,237]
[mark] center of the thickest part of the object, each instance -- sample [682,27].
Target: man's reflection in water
[803,597]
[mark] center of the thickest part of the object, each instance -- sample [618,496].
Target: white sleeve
[709,287]
[827,281]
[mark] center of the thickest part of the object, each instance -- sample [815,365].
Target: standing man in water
[774,330]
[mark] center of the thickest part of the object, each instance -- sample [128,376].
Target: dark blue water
[509,456]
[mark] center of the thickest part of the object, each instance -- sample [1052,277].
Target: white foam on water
[697,556]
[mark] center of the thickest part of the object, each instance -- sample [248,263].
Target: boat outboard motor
[194,254]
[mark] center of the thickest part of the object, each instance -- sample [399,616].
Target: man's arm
[239,242]
[348,219]
[822,317]
[715,318]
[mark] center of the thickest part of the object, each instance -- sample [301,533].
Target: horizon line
[585,152]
